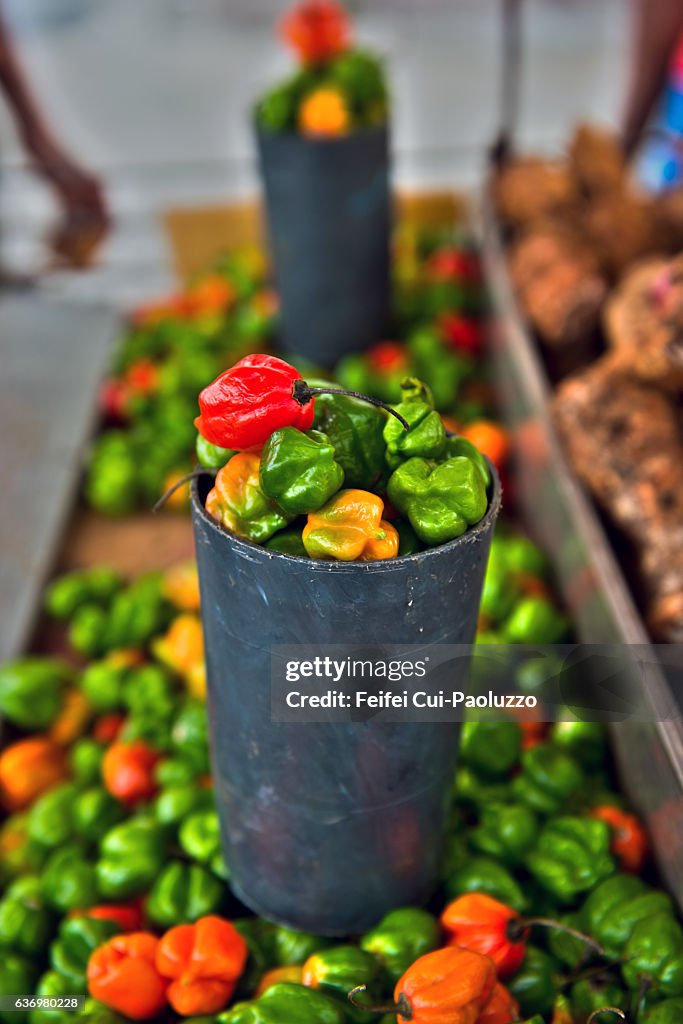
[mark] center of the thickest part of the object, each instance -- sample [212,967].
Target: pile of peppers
[309,471]
[114,885]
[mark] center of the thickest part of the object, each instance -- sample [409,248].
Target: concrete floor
[155,95]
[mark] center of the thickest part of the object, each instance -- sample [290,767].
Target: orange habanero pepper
[122,975]
[29,768]
[448,986]
[203,962]
[477,922]
[629,838]
[350,528]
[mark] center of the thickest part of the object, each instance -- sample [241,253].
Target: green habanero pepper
[535,984]
[440,367]
[618,927]
[505,831]
[85,760]
[66,594]
[669,1011]
[571,856]
[491,749]
[456,445]
[476,792]
[440,501]
[175,803]
[338,970]
[356,429]
[586,741]
[52,985]
[288,542]
[189,735]
[211,456]
[654,955]
[400,938]
[69,880]
[604,903]
[26,925]
[183,893]
[286,1002]
[294,947]
[132,856]
[564,946]
[592,994]
[94,812]
[102,683]
[483,874]
[500,590]
[299,470]
[51,818]
[426,434]
[32,690]
[548,779]
[535,620]
[239,502]
[77,939]
[138,613]
[17,977]
[95,1012]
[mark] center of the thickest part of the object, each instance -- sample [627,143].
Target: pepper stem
[194,475]
[517,926]
[303,393]
[606,1009]
[402,1007]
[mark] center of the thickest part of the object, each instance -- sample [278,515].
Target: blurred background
[153,97]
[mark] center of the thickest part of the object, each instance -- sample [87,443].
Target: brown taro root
[558,287]
[643,321]
[597,160]
[619,226]
[529,189]
[624,441]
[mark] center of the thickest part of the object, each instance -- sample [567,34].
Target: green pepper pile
[169,351]
[112,828]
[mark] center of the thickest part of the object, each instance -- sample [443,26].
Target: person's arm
[658,28]
[79,192]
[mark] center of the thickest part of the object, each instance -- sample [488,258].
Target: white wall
[155,94]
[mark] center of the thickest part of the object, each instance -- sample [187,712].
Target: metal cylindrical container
[328,208]
[327,826]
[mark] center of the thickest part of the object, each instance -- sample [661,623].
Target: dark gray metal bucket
[328,207]
[327,826]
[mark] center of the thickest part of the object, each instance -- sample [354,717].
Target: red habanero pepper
[502,1008]
[245,404]
[387,357]
[316,30]
[122,975]
[107,727]
[462,334]
[629,838]
[128,771]
[450,263]
[257,396]
[203,962]
[128,916]
[477,922]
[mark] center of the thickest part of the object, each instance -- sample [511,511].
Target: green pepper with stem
[338,970]
[69,879]
[425,436]
[653,956]
[355,429]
